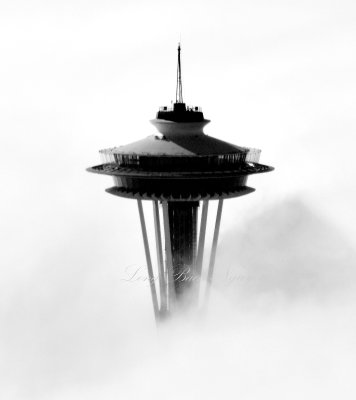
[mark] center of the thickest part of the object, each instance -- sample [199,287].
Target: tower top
[179,90]
[180,112]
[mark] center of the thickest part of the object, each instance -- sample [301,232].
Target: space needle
[179,170]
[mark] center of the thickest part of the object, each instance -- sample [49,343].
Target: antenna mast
[179,92]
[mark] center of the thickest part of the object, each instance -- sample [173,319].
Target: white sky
[78,76]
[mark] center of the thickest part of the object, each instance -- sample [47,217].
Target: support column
[204,214]
[162,276]
[148,260]
[169,259]
[213,249]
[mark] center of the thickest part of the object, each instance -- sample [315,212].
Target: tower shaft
[180,272]
[183,235]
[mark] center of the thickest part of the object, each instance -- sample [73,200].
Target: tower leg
[204,214]
[162,275]
[148,260]
[213,249]
[169,259]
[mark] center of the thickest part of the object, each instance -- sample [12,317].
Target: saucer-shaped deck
[180,166]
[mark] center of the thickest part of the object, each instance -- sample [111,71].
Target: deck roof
[179,145]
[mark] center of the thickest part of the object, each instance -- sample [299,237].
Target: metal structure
[180,169]
[179,89]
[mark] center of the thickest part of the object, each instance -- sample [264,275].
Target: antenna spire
[179,92]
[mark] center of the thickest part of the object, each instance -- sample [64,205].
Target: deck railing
[188,108]
[174,163]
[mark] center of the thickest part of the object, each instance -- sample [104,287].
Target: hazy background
[79,76]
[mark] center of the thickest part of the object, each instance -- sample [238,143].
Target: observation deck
[180,168]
